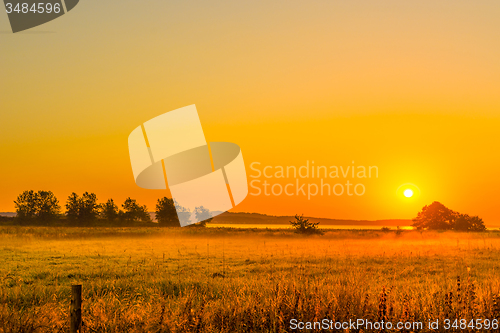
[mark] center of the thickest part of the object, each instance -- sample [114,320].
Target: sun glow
[408,193]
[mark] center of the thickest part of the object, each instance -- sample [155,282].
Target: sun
[408,193]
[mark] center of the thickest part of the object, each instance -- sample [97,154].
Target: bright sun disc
[408,193]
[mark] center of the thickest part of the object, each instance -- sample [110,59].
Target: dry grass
[205,280]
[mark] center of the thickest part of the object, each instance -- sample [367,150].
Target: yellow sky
[411,87]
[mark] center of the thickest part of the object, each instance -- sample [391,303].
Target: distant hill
[255,218]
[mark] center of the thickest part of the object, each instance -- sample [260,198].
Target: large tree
[26,205]
[40,207]
[82,210]
[166,213]
[132,211]
[435,216]
[465,222]
[109,210]
[89,209]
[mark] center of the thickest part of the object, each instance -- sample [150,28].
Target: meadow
[243,280]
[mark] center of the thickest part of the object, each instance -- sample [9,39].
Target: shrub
[303,226]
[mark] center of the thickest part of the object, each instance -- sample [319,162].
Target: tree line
[43,208]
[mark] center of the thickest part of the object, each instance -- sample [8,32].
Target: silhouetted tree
[82,210]
[303,226]
[109,210]
[166,213]
[39,207]
[48,206]
[465,222]
[438,217]
[26,205]
[132,211]
[435,216]
[476,224]
[72,207]
[89,210]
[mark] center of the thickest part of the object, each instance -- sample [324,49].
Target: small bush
[303,226]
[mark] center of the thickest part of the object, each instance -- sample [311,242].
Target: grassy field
[223,280]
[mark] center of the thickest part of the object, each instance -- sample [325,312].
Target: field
[237,280]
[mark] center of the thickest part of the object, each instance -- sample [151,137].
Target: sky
[408,86]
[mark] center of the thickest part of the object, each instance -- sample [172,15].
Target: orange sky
[411,87]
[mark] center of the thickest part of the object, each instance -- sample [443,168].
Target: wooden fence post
[76,309]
